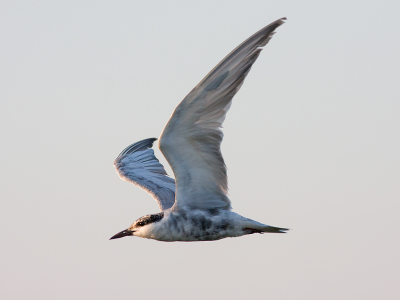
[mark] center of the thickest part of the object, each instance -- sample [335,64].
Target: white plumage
[197,207]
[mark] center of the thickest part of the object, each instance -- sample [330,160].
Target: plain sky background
[312,143]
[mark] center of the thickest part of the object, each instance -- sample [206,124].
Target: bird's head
[139,225]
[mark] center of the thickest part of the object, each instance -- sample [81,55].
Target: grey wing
[192,137]
[137,164]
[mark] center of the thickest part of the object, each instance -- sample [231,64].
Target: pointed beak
[121,234]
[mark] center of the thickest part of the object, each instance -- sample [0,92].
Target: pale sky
[311,143]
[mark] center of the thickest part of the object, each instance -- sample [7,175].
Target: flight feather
[137,164]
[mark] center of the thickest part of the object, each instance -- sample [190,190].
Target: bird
[195,205]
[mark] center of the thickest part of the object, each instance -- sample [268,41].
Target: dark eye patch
[149,219]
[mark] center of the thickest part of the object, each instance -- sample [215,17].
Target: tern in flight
[195,206]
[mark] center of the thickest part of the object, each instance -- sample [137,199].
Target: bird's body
[195,206]
[199,225]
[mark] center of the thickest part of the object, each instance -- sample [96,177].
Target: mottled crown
[149,219]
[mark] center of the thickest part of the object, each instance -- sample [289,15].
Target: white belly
[196,226]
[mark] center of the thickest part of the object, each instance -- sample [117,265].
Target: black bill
[121,234]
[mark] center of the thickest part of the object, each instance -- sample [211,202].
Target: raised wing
[192,137]
[138,165]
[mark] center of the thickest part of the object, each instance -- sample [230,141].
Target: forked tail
[275,229]
[265,228]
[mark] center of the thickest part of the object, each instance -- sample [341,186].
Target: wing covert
[137,164]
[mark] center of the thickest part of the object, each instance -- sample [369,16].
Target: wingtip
[276,24]
[279,21]
[269,31]
[151,141]
[138,146]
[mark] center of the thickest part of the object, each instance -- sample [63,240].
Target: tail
[264,228]
[274,229]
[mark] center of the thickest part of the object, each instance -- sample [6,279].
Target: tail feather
[275,229]
[266,228]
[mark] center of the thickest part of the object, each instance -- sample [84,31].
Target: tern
[195,206]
